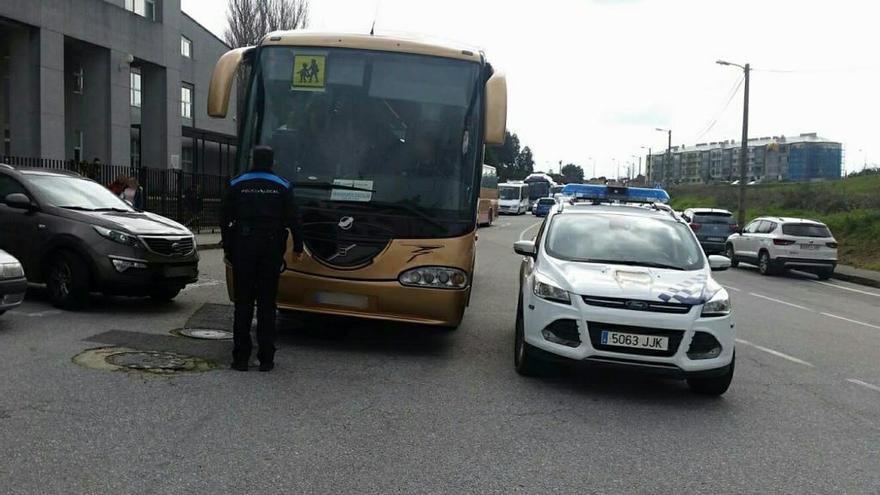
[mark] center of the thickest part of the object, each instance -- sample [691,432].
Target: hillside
[850,207]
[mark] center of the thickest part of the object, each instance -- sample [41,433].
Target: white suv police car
[610,282]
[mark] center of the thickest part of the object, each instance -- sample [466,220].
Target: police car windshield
[388,128]
[623,239]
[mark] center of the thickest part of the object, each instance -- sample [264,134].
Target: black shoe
[239,366]
[267,366]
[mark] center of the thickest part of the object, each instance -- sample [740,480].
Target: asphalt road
[376,408]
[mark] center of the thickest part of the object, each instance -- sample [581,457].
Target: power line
[714,121]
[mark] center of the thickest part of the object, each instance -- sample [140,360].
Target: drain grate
[206,333]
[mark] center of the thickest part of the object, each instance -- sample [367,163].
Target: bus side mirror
[496,109]
[221,81]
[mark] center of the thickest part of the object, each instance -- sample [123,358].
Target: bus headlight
[434,277]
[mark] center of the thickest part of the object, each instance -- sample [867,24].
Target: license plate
[809,246]
[635,341]
[179,271]
[342,299]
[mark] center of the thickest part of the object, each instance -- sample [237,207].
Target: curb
[208,247]
[856,279]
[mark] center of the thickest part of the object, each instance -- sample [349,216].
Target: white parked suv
[779,243]
[623,285]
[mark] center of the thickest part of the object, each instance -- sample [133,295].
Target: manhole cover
[148,360]
[206,333]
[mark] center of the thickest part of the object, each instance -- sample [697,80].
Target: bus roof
[512,184]
[421,46]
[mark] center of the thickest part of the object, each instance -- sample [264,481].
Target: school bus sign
[309,72]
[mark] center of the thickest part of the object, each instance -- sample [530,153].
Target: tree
[572,173]
[249,20]
[525,163]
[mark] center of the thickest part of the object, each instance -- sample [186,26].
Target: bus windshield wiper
[328,186]
[649,264]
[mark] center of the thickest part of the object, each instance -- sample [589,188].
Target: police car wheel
[524,359]
[716,385]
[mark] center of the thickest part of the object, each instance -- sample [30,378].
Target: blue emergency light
[597,192]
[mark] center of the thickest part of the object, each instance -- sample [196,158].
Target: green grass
[850,208]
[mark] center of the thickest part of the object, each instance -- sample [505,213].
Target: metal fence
[191,199]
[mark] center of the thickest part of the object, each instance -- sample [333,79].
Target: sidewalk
[857,275]
[208,241]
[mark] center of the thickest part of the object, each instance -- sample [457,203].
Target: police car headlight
[116,236]
[434,277]
[719,305]
[550,292]
[11,270]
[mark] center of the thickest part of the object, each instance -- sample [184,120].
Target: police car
[618,279]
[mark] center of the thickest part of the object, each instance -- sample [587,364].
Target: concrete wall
[44,124]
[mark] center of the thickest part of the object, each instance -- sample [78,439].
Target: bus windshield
[371,130]
[509,192]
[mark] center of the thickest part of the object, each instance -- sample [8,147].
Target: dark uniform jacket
[259,204]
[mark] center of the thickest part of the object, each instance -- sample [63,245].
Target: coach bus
[487,211]
[382,141]
[539,187]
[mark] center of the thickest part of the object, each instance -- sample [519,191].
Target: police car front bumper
[543,317]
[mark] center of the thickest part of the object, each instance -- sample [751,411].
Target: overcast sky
[590,80]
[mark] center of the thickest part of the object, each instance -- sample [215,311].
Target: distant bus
[487,210]
[513,198]
[539,186]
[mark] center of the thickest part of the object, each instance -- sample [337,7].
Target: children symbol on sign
[310,72]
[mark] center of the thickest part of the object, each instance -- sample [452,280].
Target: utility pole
[667,162]
[744,149]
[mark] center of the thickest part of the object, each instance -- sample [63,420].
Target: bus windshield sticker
[350,195]
[309,72]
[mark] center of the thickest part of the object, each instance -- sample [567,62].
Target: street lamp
[668,160]
[744,149]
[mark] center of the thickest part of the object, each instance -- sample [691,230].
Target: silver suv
[780,243]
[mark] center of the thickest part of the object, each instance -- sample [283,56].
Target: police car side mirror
[525,248]
[718,263]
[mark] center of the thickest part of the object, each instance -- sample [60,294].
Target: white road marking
[864,384]
[530,227]
[781,302]
[775,353]
[848,288]
[203,283]
[851,321]
[731,288]
[38,314]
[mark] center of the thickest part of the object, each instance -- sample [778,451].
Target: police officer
[257,212]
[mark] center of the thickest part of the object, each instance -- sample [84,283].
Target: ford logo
[636,305]
[345,223]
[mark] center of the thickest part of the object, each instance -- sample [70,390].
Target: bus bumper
[380,300]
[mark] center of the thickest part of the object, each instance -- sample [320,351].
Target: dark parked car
[712,227]
[75,236]
[12,282]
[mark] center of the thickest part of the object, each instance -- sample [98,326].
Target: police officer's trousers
[256,268]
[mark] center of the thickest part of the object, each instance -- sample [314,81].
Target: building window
[135,146]
[186,47]
[78,81]
[186,100]
[135,87]
[143,8]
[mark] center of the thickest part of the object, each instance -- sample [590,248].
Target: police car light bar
[597,192]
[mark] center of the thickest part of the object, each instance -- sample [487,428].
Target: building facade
[773,158]
[123,81]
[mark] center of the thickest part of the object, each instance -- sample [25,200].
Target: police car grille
[595,330]
[170,246]
[637,305]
